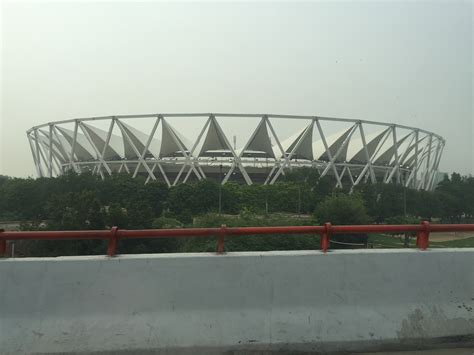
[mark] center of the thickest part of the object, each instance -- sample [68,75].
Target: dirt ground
[445,237]
[458,351]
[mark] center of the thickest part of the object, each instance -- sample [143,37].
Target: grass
[460,243]
[386,241]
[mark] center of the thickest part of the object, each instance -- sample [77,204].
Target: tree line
[78,202]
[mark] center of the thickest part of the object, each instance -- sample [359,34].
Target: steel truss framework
[390,153]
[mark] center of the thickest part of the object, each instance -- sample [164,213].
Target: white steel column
[186,156]
[288,157]
[236,158]
[417,147]
[96,150]
[434,166]
[38,152]
[57,169]
[50,158]
[415,167]
[424,156]
[329,154]
[164,174]
[277,162]
[126,168]
[147,145]
[333,159]
[73,146]
[364,170]
[44,150]
[428,161]
[106,145]
[43,157]
[367,155]
[408,150]
[396,168]
[198,139]
[61,145]
[135,150]
[38,173]
[350,176]
[437,164]
[152,169]
[262,121]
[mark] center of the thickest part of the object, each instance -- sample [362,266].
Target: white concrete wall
[343,300]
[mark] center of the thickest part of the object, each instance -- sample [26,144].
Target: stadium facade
[177,148]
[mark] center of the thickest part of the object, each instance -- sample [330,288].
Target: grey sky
[402,62]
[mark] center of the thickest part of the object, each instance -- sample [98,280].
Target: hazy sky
[404,62]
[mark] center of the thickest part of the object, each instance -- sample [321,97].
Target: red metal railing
[113,235]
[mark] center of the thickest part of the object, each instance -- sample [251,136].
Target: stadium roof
[357,148]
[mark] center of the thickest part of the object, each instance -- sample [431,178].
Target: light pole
[405,201]
[299,201]
[220,189]
[406,241]
[266,200]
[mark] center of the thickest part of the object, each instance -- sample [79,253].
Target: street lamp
[220,189]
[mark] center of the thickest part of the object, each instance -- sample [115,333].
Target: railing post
[423,236]
[3,246]
[113,241]
[324,243]
[220,240]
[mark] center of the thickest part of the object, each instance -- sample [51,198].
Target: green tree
[181,202]
[75,211]
[117,216]
[406,219]
[343,209]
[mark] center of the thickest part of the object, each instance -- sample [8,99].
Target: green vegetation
[251,242]
[80,202]
[460,243]
[344,209]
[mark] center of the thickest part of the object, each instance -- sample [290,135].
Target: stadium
[246,148]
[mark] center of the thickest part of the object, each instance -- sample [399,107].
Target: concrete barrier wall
[272,301]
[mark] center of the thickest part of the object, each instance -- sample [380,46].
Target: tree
[117,216]
[85,201]
[181,202]
[75,211]
[384,200]
[231,198]
[404,220]
[139,214]
[155,194]
[343,209]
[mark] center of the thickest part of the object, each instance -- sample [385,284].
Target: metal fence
[114,235]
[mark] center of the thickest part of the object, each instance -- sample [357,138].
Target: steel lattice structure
[362,151]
